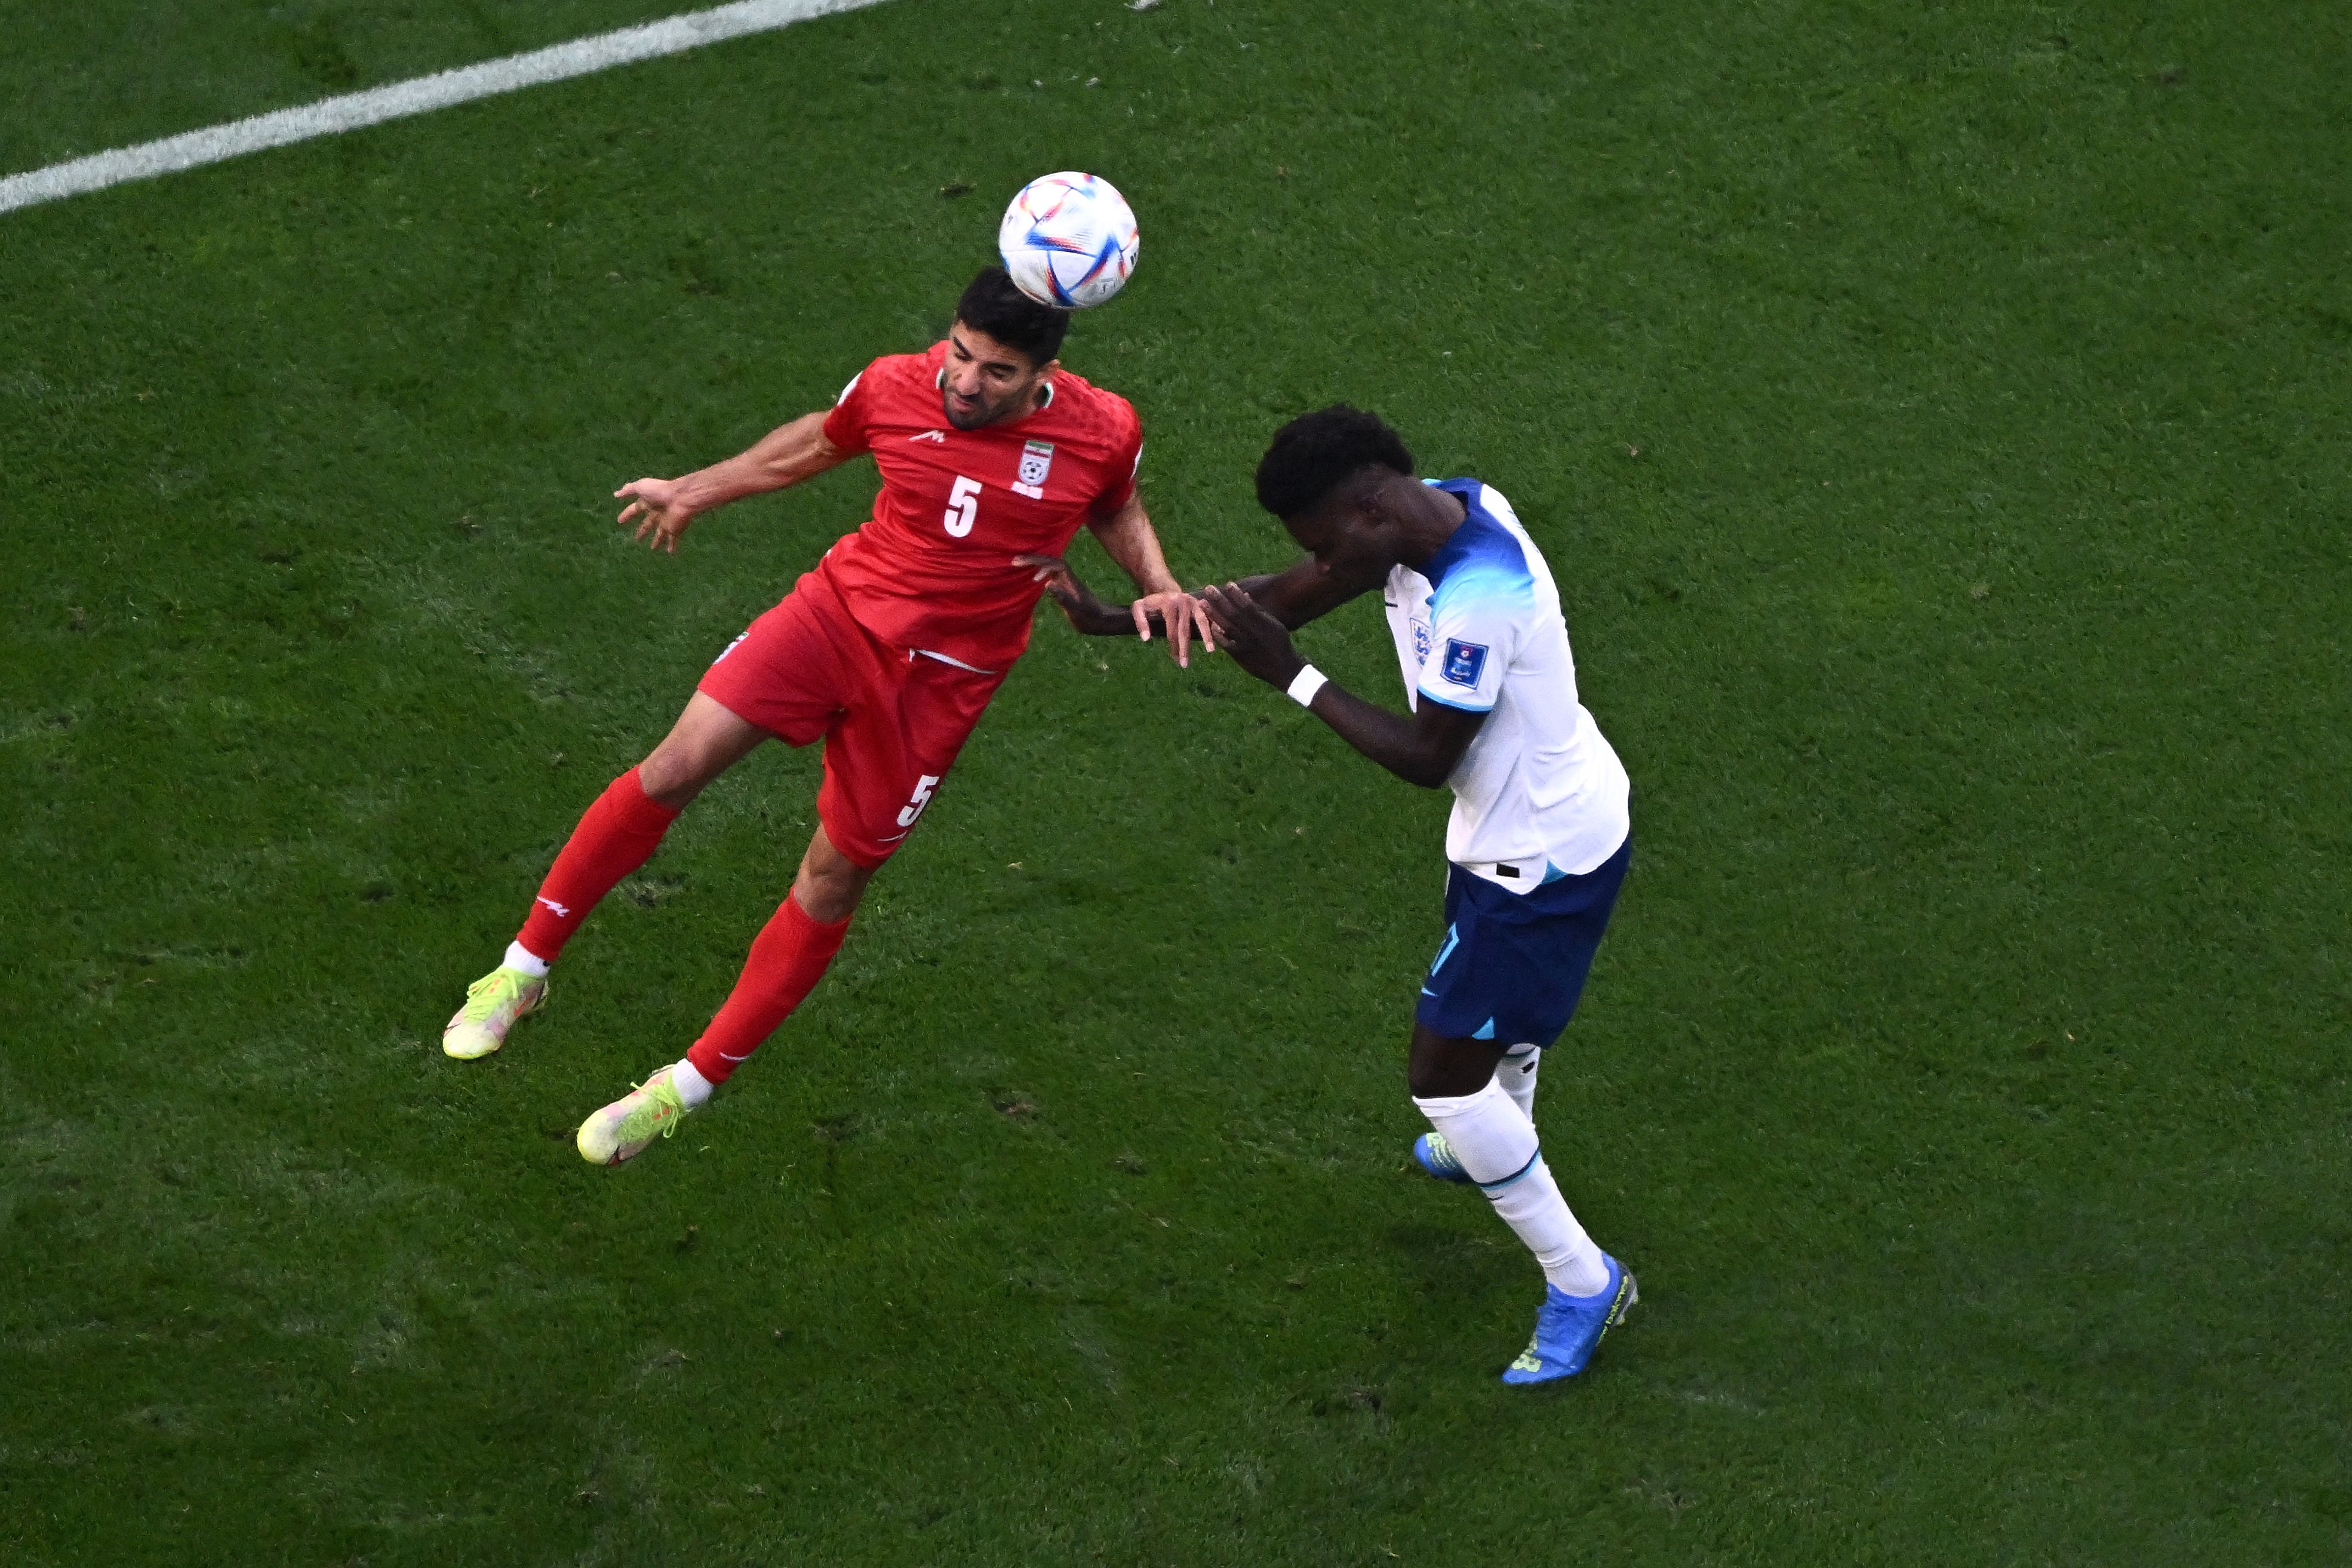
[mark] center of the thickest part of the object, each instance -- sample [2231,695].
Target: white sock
[692,1088]
[1533,1207]
[1496,1145]
[1517,1073]
[521,957]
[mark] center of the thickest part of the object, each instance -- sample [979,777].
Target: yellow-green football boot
[622,1129]
[493,1003]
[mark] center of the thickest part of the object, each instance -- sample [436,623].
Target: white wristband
[1306,684]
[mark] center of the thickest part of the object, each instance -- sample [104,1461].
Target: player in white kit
[1540,836]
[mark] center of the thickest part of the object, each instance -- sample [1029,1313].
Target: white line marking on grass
[330,116]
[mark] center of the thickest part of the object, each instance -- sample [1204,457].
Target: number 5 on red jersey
[963,507]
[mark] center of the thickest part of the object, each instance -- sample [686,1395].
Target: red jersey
[934,569]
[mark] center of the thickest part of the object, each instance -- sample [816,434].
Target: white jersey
[1540,794]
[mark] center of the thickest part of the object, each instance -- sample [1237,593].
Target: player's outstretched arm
[1421,748]
[1295,595]
[786,456]
[1089,614]
[1305,591]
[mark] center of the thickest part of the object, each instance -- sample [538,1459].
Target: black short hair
[994,304]
[1315,453]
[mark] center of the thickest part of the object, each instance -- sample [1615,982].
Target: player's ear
[1050,367]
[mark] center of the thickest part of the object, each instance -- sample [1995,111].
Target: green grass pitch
[1937,415]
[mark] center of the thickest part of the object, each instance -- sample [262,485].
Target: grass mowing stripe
[350,112]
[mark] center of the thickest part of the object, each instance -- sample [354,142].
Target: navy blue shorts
[1513,964]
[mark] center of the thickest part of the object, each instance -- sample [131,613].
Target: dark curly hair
[1314,454]
[994,304]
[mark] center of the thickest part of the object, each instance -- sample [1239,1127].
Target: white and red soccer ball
[1068,240]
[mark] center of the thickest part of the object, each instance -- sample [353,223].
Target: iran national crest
[1036,462]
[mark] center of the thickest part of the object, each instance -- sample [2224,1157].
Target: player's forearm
[1100,620]
[786,456]
[1303,592]
[1295,596]
[1096,619]
[1391,740]
[1421,748]
[1088,616]
[1128,538]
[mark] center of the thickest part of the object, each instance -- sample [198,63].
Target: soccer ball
[1068,240]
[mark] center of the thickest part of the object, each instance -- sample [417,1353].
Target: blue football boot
[1436,1157]
[1568,1327]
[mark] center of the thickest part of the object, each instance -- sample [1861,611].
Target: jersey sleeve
[1473,632]
[846,426]
[1119,473]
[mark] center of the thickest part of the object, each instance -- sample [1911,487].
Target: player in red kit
[991,457]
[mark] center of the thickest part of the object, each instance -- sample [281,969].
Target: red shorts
[893,720]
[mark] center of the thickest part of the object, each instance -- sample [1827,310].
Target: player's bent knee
[829,885]
[831,895]
[668,774]
[1429,1081]
[706,742]
[1436,1072]
[682,766]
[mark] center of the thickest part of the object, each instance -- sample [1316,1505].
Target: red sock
[788,958]
[615,835]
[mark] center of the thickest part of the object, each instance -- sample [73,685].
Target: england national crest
[1036,462]
[1421,636]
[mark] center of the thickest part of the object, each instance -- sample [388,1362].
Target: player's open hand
[1087,614]
[1180,615]
[1254,635]
[658,508]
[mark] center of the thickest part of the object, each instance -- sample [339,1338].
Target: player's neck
[1430,516]
[1028,403]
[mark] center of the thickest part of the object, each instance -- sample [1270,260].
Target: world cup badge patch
[1464,662]
[1036,462]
